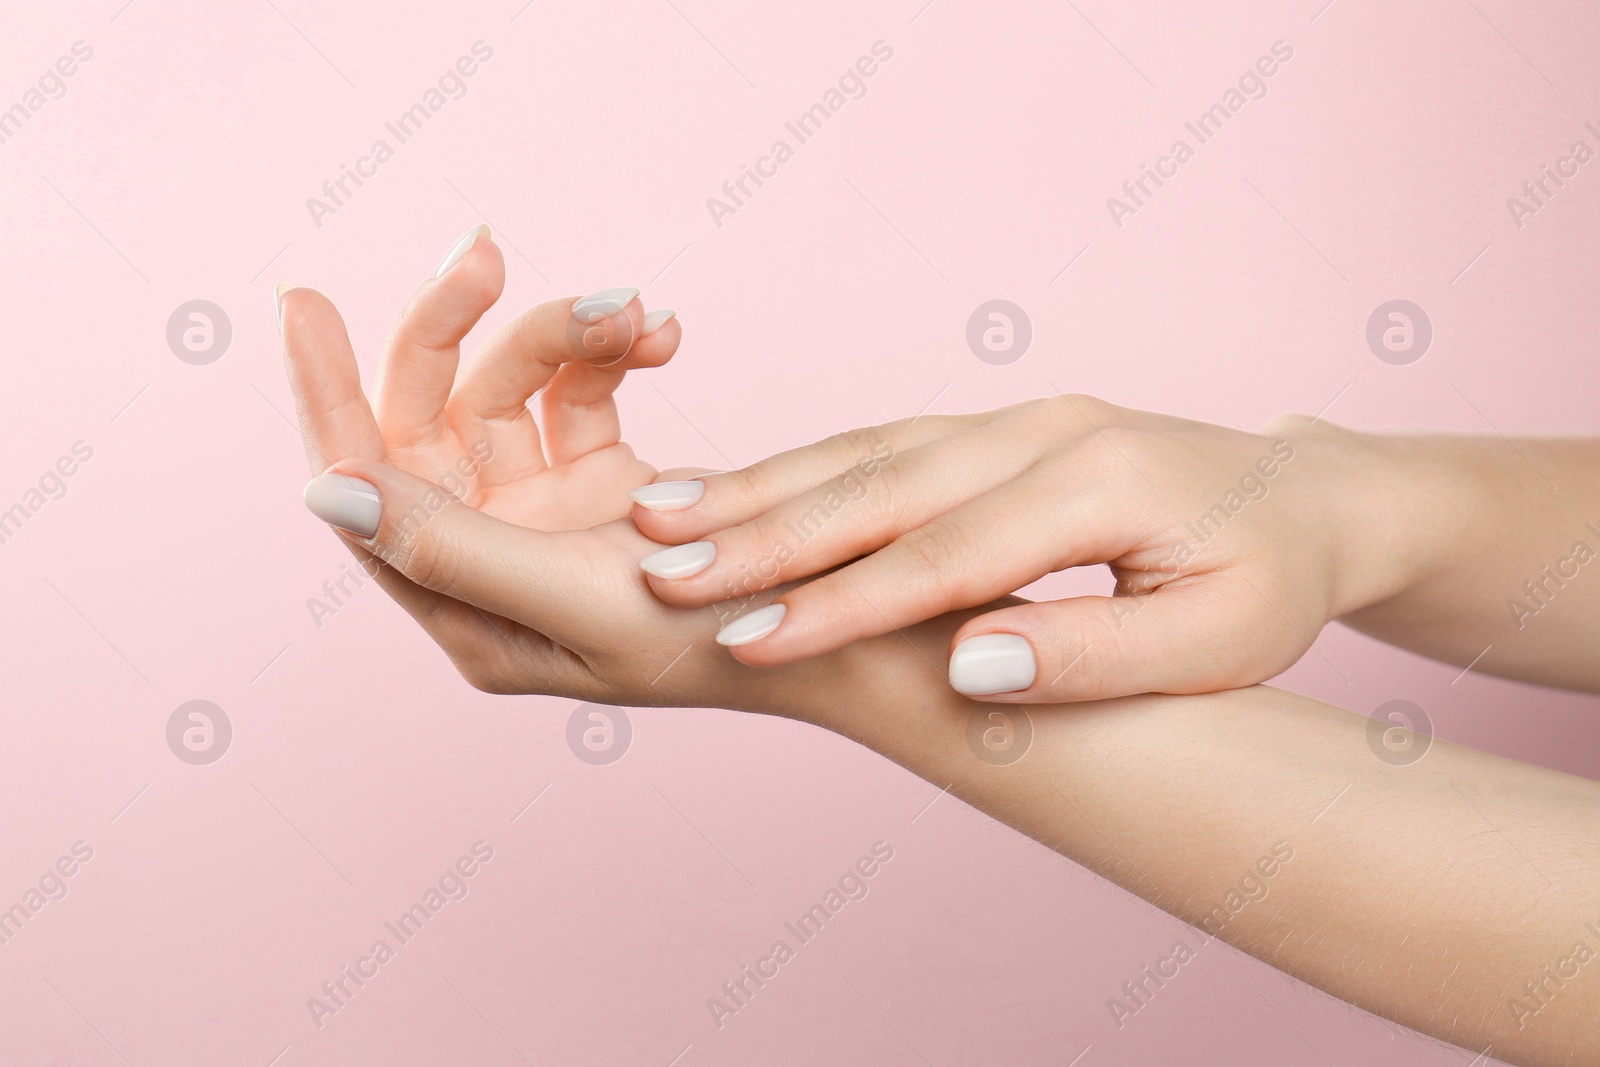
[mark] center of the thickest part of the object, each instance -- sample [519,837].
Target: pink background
[178,564]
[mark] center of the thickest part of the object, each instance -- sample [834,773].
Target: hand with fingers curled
[1225,560]
[1230,550]
[864,584]
[507,537]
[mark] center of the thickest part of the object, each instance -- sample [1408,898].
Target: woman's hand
[508,541]
[473,432]
[1111,785]
[1229,549]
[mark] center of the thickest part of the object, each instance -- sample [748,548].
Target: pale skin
[1231,550]
[1432,893]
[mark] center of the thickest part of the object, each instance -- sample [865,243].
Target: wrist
[1379,508]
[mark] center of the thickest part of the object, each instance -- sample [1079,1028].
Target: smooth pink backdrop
[178,564]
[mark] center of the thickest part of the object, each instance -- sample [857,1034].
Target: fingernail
[752,627]
[680,561]
[992,663]
[602,305]
[654,320]
[346,502]
[461,248]
[668,496]
[277,299]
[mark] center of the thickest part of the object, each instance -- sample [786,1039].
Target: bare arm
[1460,544]
[1458,895]
[1455,895]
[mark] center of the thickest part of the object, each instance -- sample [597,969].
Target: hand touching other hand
[1225,547]
[506,538]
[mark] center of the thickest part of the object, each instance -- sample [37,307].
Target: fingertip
[344,501]
[751,627]
[464,244]
[989,664]
[655,320]
[300,308]
[676,495]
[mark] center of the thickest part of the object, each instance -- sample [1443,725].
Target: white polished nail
[277,299]
[602,305]
[461,248]
[680,561]
[752,627]
[348,503]
[654,320]
[992,663]
[668,496]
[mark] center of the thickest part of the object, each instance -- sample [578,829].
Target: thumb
[1179,639]
[439,543]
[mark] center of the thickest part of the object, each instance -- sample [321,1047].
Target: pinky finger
[578,409]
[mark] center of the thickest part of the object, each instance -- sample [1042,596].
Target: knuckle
[753,556]
[748,483]
[1087,656]
[1293,424]
[858,446]
[866,458]
[932,551]
[1078,407]
[418,550]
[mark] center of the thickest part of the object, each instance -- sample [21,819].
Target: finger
[675,512]
[490,401]
[991,546]
[419,364]
[578,409]
[858,512]
[542,580]
[672,474]
[335,421]
[1192,636]
[492,653]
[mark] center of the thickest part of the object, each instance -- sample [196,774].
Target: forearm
[1453,545]
[1428,893]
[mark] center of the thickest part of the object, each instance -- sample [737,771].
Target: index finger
[673,512]
[336,422]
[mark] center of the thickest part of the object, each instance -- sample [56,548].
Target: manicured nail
[752,627]
[602,305]
[668,496]
[461,248]
[992,663]
[654,320]
[680,561]
[346,502]
[277,299]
